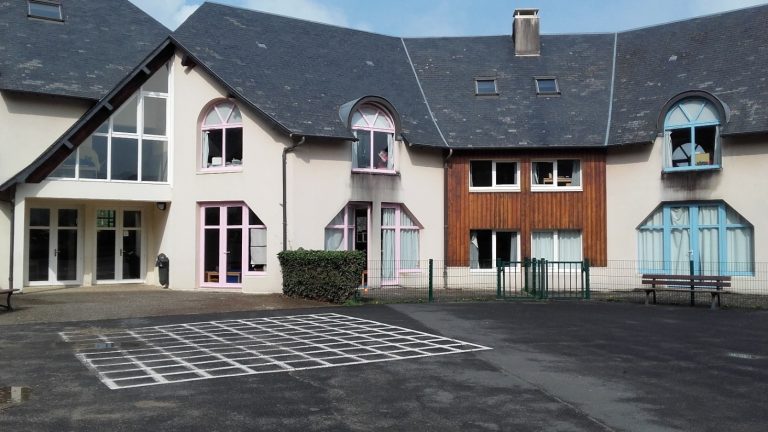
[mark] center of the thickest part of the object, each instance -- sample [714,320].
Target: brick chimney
[525,32]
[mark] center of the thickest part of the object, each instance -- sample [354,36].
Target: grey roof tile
[299,73]
[98,43]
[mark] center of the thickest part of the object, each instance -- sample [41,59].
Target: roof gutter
[287,150]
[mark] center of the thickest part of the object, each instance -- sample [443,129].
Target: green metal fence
[440,281]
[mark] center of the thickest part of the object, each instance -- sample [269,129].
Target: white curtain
[652,249]
[390,152]
[474,251]
[569,246]
[334,239]
[205,149]
[680,241]
[513,248]
[709,259]
[740,258]
[576,175]
[544,245]
[409,249]
[387,243]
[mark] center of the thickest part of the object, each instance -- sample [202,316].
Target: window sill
[92,180]
[495,189]
[545,188]
[374,171]
[220,170]
[693,168]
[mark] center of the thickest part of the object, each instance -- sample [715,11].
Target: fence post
[690,266]
[431,278]
[534,275]
[585,283]
[498,279]
[544,279]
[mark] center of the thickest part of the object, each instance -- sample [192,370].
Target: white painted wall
[29,124]
[636,186]
[5,243]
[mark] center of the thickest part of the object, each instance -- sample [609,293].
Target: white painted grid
[204,350]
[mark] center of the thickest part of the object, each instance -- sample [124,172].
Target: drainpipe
[287,150]
[12,201]
[445,217]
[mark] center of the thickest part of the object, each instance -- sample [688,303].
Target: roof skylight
[45,9]
[547,86]
[486,86]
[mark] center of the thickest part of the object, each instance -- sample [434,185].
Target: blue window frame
[711,236]
[692,136]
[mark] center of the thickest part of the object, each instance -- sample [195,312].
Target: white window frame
[496,187]
[554,186]
[227,124]
[370,129]
[495,91]
[139,136]
[493,249]
[539,92]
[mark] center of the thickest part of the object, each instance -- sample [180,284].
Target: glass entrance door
[54,244]
[118,245]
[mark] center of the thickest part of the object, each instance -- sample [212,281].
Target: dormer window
[486,86]
[45,9]
[222,137]
[375,132]
[692,136]
[547,86]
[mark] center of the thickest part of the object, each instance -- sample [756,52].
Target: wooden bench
[714,285]
[9,292]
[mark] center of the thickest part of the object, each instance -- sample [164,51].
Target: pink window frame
[348,224]
[222,227]
[398,228]
[219,126]
[370,129]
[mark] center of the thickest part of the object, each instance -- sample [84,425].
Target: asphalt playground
[570,366]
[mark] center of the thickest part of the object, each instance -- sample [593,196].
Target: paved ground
[552,366]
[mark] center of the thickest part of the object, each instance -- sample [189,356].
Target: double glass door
[54,246]
[118,245]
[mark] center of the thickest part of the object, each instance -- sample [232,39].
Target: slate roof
[299,73]
[725,54]
[517,117]
[99,42]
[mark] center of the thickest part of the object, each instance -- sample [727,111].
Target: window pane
[680,247]
[234,215]
[709,250]
[125,159]
[740,251]
[125,119]
[506,246]
[358,120]
[334,239]
[681,147]
[733,218]
[708,215]
[253,219]
[104,128]
[154,116]
[480,249]
[569,245]
[233,147]
[257,249]
[39,217]
[68,218]
[236,117]
[132,219]
[382,122]
[211,253]
[363,150]
[67,168]
[677,117]
[225,111]
[506,173]
[388,217]
[405,219]
[486,86]
[568,173]
[212,216]
[154,160]
[381,150]
[234,255]
[546,85]
[93,158]
[338,219]
[708,114]
[651,249]
[543,245]
[705,145]
[212,148]
[655,219]
[45,10]
[480,173]
[542,173]
[159,81]
[106,218]
[213,118]
[409,249]
[39,257]
[679,215]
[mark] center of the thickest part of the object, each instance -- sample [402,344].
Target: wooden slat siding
[527,211]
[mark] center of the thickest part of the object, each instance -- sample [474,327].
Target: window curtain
[651,249]
[258,246]
[409,243]
[544,245]
[535,173]
[569,246]
[576,174]
[709,260]
[474,251]
[387,243]
[680,241]
[334,239]
[513,248]
[205,149]
[390,151]
[740,255]
[667,149]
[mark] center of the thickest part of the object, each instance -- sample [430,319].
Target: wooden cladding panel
[527,211]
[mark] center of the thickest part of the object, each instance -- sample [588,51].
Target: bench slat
[686,283]
[686,277]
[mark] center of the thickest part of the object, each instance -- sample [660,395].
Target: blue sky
[464,17]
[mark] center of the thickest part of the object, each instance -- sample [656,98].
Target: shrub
[331,276]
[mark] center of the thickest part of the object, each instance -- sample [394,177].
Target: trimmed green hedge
[331,276]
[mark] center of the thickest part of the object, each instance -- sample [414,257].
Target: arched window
[222,139]
[692,136]
[375,132]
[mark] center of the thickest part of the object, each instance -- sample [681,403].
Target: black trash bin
[162,263]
